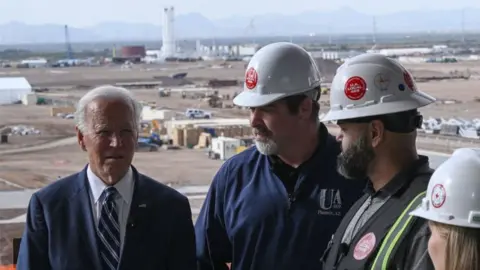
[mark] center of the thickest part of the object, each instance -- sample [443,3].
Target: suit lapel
[86,223]
[137,223]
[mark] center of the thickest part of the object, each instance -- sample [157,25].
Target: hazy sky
[88,12]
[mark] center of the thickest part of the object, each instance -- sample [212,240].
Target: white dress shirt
[123,202]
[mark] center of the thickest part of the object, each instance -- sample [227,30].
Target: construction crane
[67,44]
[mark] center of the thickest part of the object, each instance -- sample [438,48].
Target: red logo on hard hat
[409,81]
[364,246]
[355,88]
[439,195]
[251,78]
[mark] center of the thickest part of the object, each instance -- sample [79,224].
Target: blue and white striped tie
[109,230]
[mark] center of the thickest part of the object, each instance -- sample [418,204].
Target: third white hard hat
[276,71]
[373,84]
[453,193]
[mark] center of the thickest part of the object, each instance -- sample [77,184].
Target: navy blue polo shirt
[251,220]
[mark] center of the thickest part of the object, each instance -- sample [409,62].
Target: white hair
[108,92]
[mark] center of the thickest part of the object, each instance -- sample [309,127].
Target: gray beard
[267,147]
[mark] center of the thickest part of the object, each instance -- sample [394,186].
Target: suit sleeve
[33,253]
[182,249]
[213,245]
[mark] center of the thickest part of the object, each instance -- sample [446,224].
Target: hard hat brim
[253,99]
[418,100]
[421,213]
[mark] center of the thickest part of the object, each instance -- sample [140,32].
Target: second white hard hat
[453,193]
[276,71]
[373,84]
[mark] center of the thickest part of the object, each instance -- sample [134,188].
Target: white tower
[168,37]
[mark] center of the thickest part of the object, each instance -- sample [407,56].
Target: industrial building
[403,51]
[153,56]
[34,63]
[13,89]
[132,54]
[334,55]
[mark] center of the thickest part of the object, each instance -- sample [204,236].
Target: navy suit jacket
[60,232]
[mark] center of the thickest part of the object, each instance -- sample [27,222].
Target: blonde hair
[462,247]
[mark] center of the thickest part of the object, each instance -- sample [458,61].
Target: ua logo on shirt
[330,202]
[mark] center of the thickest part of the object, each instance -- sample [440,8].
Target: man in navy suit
[108,216]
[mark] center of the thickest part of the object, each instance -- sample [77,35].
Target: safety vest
[398,231]
[376,243]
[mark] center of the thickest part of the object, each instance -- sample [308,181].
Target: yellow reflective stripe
[414,204]
[397,231]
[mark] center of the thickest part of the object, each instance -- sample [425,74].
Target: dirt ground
[36,117]
[34,170]
[463,92]
[7,233]
[54,128]
[115,73]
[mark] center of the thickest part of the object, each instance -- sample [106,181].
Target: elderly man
[275,205]
[108,216]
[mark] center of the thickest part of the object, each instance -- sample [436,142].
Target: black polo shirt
[288,174]
[380,197]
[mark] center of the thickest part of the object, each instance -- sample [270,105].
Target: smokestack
[168,37]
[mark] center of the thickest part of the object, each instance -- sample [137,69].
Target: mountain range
[195,25]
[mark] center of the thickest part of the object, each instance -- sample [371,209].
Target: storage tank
[133,51]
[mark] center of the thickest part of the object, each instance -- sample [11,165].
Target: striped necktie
[109,230]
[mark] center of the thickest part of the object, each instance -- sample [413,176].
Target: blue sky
[82,13]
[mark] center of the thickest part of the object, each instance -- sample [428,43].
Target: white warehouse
[13,89]
[402,51]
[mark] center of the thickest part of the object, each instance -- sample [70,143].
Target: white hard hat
[373,84]
[276,71]
[453,193]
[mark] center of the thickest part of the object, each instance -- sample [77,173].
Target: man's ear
[377,131]
[305,109]
[80,139]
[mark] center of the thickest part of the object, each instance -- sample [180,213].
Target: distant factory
[334,55]
[171,51]
[134,54]
[174,49]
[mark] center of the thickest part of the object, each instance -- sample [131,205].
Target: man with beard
[275,205]
[374,101]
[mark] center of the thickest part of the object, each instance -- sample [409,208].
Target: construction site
[189,121]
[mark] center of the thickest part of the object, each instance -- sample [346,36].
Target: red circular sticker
[439,195]
[364,247]
[355,88]
[251,78]
[409,81]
